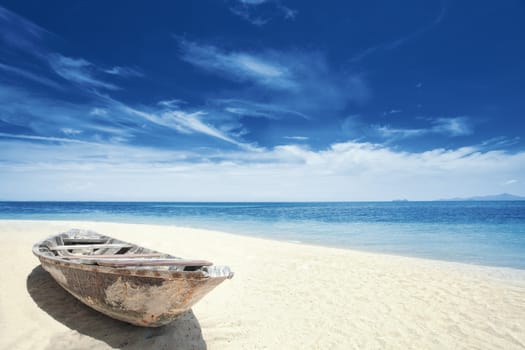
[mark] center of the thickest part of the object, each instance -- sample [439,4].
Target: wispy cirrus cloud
[35,114]
[173,103]
[186,123]
[459,126]
[392,111]
[26,39]
[510,182]
[247,108]
[17,32]
[30,76]
[172,117]
[398,133]
[44,138]
[260,12]
[124,71]
[40,118]
[241,66]
[71,131]
[398,42]
[297,138]
[98,111]
[78,71]
[452,127]
[306,82]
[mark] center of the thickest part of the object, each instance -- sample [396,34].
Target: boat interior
[88,247]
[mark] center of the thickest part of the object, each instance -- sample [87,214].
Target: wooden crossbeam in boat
[152,262]
[89,246]
[84,240]
[112,256]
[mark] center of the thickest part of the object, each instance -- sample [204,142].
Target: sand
[283,296]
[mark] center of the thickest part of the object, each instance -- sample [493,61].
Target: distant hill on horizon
[496,197]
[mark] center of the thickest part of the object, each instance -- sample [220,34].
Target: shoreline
[284,295]
[273,239]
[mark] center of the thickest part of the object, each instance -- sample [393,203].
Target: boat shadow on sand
[183,333]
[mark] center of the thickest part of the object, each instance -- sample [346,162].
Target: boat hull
[143,298]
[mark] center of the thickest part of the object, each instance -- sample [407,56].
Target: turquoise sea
[484,233]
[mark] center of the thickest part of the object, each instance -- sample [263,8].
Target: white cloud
[191,122]
[459,126]
[98,111]
[238,65]
[23,35]
[31,76]
[453,127]
[253,2]
[288,12]
[260,12]
[399,133]
[183,122]
[173,103]
[344,171]
[34,114]
[307,83]
[43,138]
[70,131]
[394,44]
[253,65]
[50,119]
[124,71]
[79,71]
[394,111]
[20,33]
[247,108]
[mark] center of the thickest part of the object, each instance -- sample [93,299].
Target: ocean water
[483,233]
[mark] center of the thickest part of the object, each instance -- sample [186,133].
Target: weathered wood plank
[90,246]
[112,256]
[84,240]
[152,262]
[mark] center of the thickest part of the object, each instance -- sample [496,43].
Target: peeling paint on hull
[142,301]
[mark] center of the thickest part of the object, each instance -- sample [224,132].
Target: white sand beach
[283,296]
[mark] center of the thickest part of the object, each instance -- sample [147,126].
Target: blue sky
[261,100]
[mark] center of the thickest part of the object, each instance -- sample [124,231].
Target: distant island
[496,197]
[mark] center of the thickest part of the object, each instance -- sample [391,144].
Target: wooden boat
[125,281]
